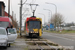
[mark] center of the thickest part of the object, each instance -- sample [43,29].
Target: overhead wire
[24,2]
[33,1]
[24,10]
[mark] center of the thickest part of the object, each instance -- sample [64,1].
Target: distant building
[2,8]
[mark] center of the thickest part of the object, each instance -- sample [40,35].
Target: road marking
[72,36]
[68,35]
[60,37]
[61,34]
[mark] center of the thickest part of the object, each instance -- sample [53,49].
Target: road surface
[61,39]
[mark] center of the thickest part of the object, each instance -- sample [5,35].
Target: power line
[24,2]
[33,1]
[25,11]
[33,11]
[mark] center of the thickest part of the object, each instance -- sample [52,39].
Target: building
[3,13]
[6,14]
[2,8]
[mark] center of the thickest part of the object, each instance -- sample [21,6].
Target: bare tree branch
[57,19]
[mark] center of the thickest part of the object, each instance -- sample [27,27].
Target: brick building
[2,8]
[3,13]
[6,14]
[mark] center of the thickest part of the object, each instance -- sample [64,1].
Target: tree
[57,19]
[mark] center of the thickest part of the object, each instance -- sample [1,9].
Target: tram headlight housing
[36,32]
[31,31]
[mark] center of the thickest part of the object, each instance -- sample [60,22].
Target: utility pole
[21,4]
[21,18]
[12,17]
[15,17]
[8,8]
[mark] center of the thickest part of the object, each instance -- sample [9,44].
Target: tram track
[43,44]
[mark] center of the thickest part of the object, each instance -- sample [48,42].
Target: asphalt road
[61,39]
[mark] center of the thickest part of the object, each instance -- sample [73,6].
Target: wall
[2,8]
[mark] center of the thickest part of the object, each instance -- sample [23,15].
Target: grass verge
[61,32]
[26,48]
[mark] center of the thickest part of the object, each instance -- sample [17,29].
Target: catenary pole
[21,18]
[8,8]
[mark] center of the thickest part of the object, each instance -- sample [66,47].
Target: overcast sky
[64,7]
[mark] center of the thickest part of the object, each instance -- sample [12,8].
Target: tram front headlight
[36,32]
[31,32]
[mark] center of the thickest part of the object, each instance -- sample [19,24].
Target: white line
[68,34]
[72,36]
[61,34]
[60,37]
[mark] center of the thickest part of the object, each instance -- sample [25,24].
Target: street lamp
[54,5]
[44,17]
[51,13]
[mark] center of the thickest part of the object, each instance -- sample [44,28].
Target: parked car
[13,35]
[3,37]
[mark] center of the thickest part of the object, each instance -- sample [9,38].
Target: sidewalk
[19,44]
